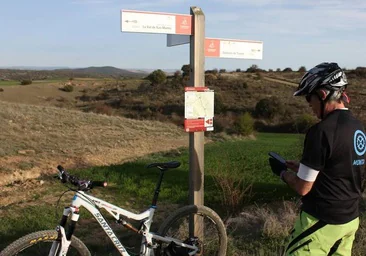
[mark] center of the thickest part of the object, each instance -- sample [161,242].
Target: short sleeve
[316,149]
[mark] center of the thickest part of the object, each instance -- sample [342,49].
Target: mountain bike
[190,230]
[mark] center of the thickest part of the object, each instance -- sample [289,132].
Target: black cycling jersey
[336,148]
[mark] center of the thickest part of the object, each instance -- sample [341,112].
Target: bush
[186,69]
[304,122]
[101,108]
[26,82]
[268,107]
[252,69]
[287,70]
[157,77]
[1,89]
[67,88]
[245,124]
[210,79]
[219,103]
[302,69]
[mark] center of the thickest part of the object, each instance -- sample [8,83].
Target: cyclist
[330,174]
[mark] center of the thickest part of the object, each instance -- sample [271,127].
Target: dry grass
[273,220]
[38,136]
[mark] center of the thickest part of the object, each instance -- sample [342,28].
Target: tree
[268,107]
[238,70]
[177,74]
[287,70]
[222,70]
[157,77]
[252,69]
[186,69]
[302,69]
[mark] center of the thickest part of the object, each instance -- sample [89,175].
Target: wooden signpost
[181,29]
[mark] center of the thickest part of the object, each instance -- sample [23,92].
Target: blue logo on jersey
[359,140]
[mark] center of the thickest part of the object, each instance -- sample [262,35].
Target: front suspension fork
[58,249]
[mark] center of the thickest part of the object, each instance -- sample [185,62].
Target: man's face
[314,103]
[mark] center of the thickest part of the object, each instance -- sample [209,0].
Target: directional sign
[155,22]
[231,48]
[174,40]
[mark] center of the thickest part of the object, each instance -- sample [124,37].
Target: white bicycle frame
[81,199]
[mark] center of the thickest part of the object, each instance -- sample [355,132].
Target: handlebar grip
[98,184]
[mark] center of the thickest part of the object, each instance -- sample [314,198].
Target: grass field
[131,185]
[266,214]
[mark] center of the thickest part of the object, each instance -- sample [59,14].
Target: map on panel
[199,104]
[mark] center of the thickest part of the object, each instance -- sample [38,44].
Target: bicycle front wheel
[211,232]
[39,244]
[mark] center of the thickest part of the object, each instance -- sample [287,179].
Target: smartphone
[277,157]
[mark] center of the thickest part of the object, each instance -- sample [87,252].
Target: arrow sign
[156,22]
[232,48]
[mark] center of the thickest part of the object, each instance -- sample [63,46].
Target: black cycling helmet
[328,76]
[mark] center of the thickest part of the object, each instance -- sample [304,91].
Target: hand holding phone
[277,163]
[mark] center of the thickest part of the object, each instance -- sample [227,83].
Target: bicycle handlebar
[81,184]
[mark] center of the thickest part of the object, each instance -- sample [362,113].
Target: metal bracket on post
[197,79]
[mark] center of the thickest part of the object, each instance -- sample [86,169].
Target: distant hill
[90,72]
[102,71]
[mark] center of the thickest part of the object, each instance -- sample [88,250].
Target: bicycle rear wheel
[39,244]
[212,238]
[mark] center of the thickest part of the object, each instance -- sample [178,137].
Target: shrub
[219,103]
[186,69]
[157,77]
[304,122]
[302,69]
[245,124]
[67,88]
[252,69]
[235,192]
[26,82]
[268,107]
[210,79]
[1,89]
[287,70]
[360,72]
[104,109]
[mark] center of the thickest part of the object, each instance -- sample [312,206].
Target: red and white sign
[237,49]
[198,125]
[156,22]
[199,109]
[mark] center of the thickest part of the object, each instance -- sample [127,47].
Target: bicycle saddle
[167,165]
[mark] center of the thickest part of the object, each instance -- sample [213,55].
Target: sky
[83,33]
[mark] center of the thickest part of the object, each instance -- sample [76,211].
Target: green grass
[8,83]
[131,185]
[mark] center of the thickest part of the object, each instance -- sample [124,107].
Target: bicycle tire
[41,241]
[210,217]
